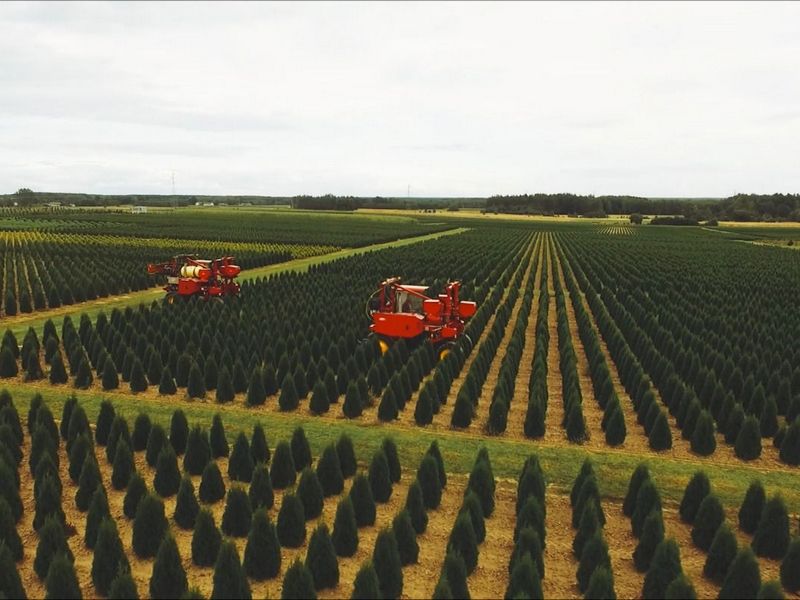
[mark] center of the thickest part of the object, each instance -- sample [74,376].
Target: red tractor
[189,276]
[404,311]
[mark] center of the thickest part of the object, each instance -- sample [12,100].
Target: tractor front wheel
[444,349]
[171,298]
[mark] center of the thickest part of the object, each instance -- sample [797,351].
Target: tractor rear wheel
[444,349]
[172,298]
[383,345]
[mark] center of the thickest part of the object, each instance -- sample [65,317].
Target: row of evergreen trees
[692,359]
[469,530]
[470,391]
[594,576]
[536,411]
[573,421]
[526,564]
[613,422]
[504,389]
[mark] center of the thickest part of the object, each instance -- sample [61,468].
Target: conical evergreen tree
[52,542]
[321,559]
[282,471]
[260,492]
[259,448]
[710,516]
[366,585]
[186,506]
[329,472]
[772,535]
[110,380]
[149,526]
[167,479]
[230,580]
[108,557]
[524,580]
[310,493]
[58,373]
[696,490]
[104,420]
[363,502]
[748,442]
[298,583]
[601,585]
[155,443]
[169,578]
[652,536]
[291,525]
[462,540]
[288,399]
[219,443]
[345,528]
[428,478]
[790,567]
[224,388]
[347,455]
[386,560]
[664,568]
[123,466]
[198,451]
[301,450]
[406,538]
[195,385]
[137,488]
[744,577]
[206,539]
[752,507]
[379,478]
[178,431]
[262,555]
[238,513]
[680,588]
[138,380]
[721,554]
[98,511]
[352,407]
[166,385]
[415,505]
[61,581]
[320,401]
[123,587]
[240,465]
[141,432]
[10,582]
[455,572]
[8,531]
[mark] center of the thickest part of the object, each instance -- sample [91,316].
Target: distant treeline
[741,207]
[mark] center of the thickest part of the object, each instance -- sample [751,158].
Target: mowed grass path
[561,461]
[20,323]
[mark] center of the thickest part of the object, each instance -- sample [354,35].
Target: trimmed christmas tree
[288,399]
[710,515]
[406,538]
[168,579]
[219,443]
[696,490]
[347,456]
[752,507]
[379,478]
[320,402]
[61,581]
[240,464]
[462,540]
[260,492]
[206,539]
[345,528]
[238,513]
[721,554]
[137,488]
[262,555]
[167,479]
[186,506]
[363,502]
[352,407]
[455,572]
[329,472]
[309,491]
[660,437]
[790,567]
[10,582]
[664,568]
[141,432]
[428,477]
[149,526]
[638,477]
[301,450]
[680,588]
[472,507]
[108,557]
[230,580]
[386,560]
[601,585]
[123,466]
[52,542]
[178,431]
[259,449]
[744,577]
[155,443]
[166,385]
[123,587]
[104,420]
[647,500]
[652,536]
[298,583]
[291,524]
[772,535]
[389,449]
[198,451]
[524,581]
[415,505]
[212,486]
[8,531]
[98,510]
[321,559]
[282,471]
[748,442]
[366,585]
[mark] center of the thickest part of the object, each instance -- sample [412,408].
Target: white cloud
[691,99]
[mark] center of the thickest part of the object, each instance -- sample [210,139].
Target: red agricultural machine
[404,311]
[189,276]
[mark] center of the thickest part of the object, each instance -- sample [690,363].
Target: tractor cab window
[408,303]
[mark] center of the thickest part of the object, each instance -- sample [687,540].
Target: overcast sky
[452,99]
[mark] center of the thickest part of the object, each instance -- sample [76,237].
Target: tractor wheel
[383,345]
[444,349]
[171,298]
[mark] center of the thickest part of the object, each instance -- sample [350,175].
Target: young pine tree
[262,555]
